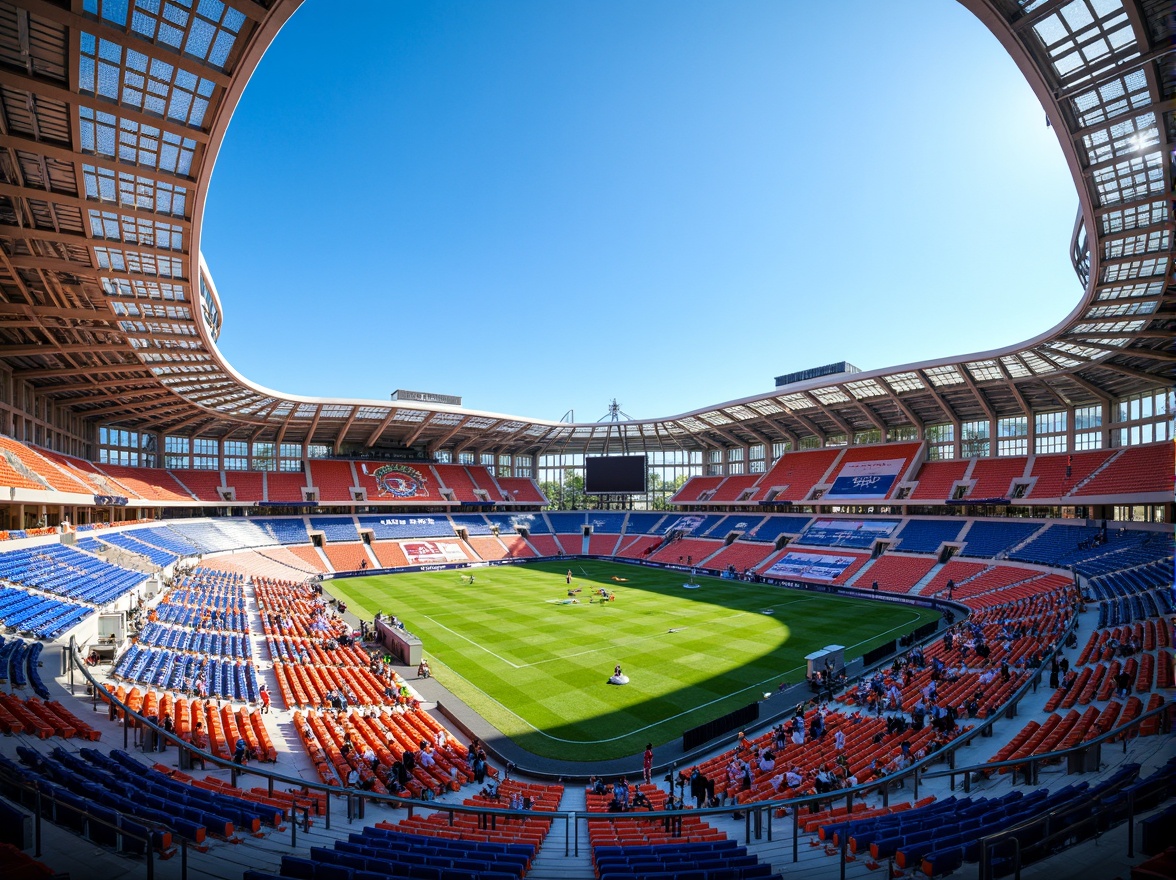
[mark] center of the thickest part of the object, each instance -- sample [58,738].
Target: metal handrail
[753,812]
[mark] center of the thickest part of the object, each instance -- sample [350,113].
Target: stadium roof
[113,111]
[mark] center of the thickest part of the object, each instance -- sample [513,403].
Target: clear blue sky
[543,205]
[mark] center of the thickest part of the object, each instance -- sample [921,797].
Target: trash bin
[149,741]
[185,759]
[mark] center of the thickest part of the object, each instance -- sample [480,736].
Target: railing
[757,817]
[41,800]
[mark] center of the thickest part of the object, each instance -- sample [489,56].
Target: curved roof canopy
[111,112]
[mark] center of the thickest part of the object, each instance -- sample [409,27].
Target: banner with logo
[810,565]
[866,479]
[432,552]
[398,481]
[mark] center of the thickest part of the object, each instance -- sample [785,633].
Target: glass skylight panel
[830,395]
[984,371]
[1141,268]
[372,412]
[409,415]
[865,388]
[1144,243]
[1110,327]
[946,375]
[741,412]
[715,418]
[1131,291]
[1037,363]
[508,427]
[1117,342]
[336,411]
[796,401]
[443,418]
[480,422]
[766,407]
[1118,310]
[905,382]
[306,410]
[535,430]
[1015,368]
[282,409]
[692,424]
[1081,351]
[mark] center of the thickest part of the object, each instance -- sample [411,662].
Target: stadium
[914,621]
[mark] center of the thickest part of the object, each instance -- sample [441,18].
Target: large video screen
[614,475]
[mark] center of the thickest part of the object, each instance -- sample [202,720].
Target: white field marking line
[472,642]
[635,641]
[591,742]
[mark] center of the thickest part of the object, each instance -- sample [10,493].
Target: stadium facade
[113,114]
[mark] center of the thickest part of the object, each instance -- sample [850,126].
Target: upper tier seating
[484,480]
[795,474]
[937,477]
[926,535]
[696,489]
[86,475]
[733,488]
[282,486]
[858,455]
[246,485]
[402,481]
[23,468]
[991,537]
[152,484]
[1136,469]
[458,479]
[522,489]
[205,485]
[994,476]
[333,479]
[1050,471]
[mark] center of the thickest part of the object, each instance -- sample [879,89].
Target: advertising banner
[432,552]
[809,565]
[866,479]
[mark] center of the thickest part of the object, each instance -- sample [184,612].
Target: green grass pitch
[537,669]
